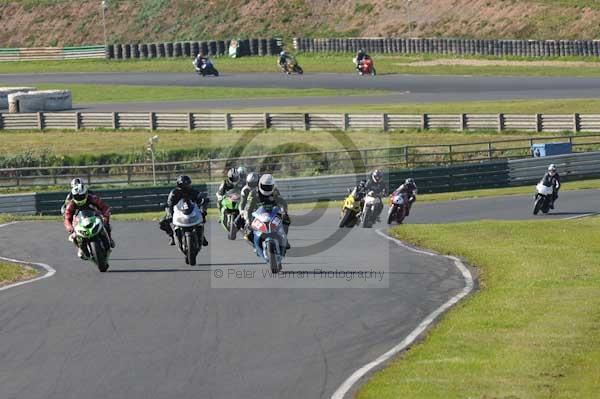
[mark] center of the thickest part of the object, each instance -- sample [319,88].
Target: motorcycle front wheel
[99,256]
[232,229]
[345,218]
[537,205]
[272,255]
[191,248]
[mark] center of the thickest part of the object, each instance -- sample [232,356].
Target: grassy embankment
[12,273]
[532,330]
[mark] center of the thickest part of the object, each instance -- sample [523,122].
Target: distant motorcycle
[270,238]
[371,203]
[229,212]
[543,198]
[292,66]
[188,224]
[365,67]
[92,237]
[398,208]
[207,68]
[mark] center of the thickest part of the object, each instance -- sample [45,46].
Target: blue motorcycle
[270,238]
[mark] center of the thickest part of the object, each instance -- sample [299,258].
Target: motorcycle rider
[379,188]
[552,179]
[184,190]
[230,182]
[69,196]
[283,60]
[250,187]
[200,60]
[82,199]
[243,172]
[267,194]
[360,57]
[409,188]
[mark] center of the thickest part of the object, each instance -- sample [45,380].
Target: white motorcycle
[368,217]
[543,198]
[188,226]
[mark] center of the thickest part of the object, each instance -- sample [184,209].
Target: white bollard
[5,91]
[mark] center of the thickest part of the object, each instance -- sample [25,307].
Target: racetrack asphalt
[154,328]
[402,88]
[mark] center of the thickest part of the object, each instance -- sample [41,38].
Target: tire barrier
[494,47]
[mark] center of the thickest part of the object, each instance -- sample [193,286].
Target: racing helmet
[252,180]
[266,185]
[410,180]
[552,169]
[377,175]
[243,172]
[80,194]
[184,182]
[282,53]
[233,176]
[75,182]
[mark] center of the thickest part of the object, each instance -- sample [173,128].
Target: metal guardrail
[52,53]
[570,166]
[523,48]
[292,164]
[307,189]
[298,121]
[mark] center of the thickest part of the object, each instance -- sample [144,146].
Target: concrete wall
[5,91]
[44,100]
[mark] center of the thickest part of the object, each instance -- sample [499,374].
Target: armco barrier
[430,180]
[570,166]
[486,47]
[291,121]
[52,53]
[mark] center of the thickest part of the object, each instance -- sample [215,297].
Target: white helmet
[282,53]
[233,176]
[75,182]
[252,179]
[266,185]
[80,194]
[552,169]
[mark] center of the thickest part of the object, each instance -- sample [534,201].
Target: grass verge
[12,273]
[96,94]
[532,330]
[334,63]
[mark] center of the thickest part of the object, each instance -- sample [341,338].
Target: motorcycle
[270,238]
[351,208]
[372,202]
[365,67]
[543,198]
[188,226]
[207,68]
[92,237]
[292,66]
[398,208]
[229,212]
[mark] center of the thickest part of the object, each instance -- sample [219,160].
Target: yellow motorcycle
[352,206]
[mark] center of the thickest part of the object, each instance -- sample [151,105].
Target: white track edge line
[49,270]
[581,216]
[341,392]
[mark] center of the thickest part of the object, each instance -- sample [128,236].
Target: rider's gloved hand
[70,230]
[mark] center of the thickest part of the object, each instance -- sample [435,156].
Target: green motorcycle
[92,237]
[229,212]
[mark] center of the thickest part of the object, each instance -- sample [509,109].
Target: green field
[531,331]
[338,63]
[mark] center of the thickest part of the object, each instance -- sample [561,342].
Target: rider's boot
[171,240]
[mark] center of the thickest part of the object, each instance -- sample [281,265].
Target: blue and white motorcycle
[270,238]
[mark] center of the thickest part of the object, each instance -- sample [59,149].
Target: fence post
[151,123]
[266,120]
[346,121]
[306,122]
[538,123]
[576,123]
[406,156]
[424,121]
[463,122]
[228,121]
[190,121]
[209,170]
[490,150]
[501,122]
[1,121]
[114,121]
[40,121]
[129,174]
[384,122]
[450,153]
[77,120]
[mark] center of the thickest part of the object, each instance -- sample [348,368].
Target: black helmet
[184,182]
[233,176]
